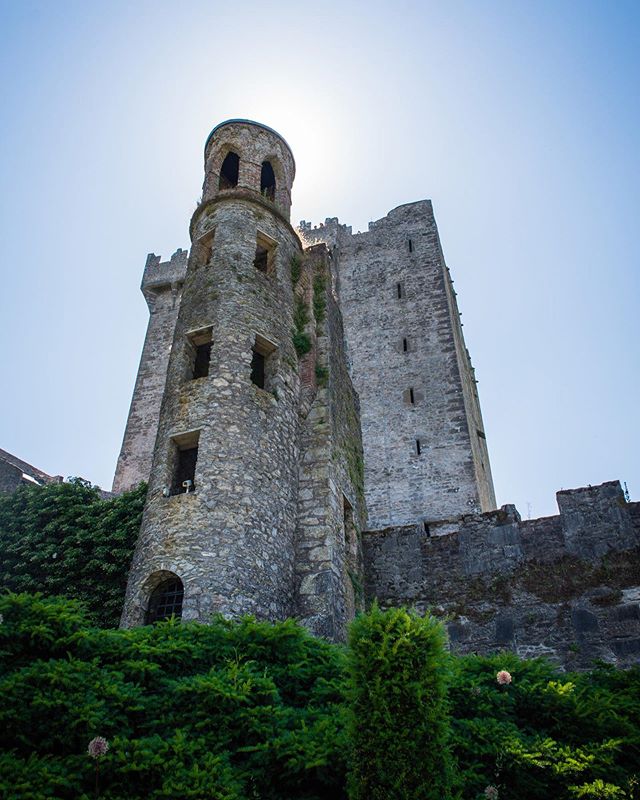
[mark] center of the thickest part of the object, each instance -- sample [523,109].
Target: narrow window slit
[257,369]
[405,346]
[418,447]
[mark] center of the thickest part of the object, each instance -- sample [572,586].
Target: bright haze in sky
[520,120]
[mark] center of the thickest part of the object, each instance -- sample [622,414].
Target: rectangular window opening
[405,345]
[412,397]
[418,447]
[204,248]
[263,363]
[257,368]
[410,246]
[426,528]
[200,342]
[399,291]
[265,249]
[186,457]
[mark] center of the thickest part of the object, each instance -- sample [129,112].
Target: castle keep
[306,415]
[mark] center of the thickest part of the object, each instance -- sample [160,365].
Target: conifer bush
[399,670]
[226,711]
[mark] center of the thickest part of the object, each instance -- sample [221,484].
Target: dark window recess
[229,171]
[257,369]
[425,527]
[166,601]
[410,246]
[418,447]
[267,181]
[405,346]
[399,291]
[412,398]
[261,261]
[201,363]
[481,433]
[185,472]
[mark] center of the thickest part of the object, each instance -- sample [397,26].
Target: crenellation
[563,586]
[158,273]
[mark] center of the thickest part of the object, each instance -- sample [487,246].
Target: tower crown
[243,155]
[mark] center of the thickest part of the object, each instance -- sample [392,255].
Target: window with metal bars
[166,601]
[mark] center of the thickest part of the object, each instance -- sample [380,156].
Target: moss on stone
[301,339]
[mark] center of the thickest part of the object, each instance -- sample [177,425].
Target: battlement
[530,585]
[158,274]
[329,232]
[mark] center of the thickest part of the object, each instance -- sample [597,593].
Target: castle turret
[221,512]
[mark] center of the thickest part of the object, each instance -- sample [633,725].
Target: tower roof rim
[249,122]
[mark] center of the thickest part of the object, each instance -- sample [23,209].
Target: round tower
[218,528]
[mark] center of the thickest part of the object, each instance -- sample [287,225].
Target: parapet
[159,274]
[565,586]
[328,233]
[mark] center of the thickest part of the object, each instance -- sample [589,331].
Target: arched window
[268,181]
[229,171]
[166,600]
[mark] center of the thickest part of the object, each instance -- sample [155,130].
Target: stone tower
[255,484]
[425,449]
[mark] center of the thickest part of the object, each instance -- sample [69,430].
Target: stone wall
[566,587]
[410,368]
[15,472]
[162,288]
[331,511]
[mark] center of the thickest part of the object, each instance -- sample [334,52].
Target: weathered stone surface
[245,541]
[538,587]
[380,417]
[410,368]
[162,289]
[15,472]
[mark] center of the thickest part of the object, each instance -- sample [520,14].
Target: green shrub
[230,710]
[319,297]
[399,669]
[64,539]
[547,734]
[239,710]
[296,269]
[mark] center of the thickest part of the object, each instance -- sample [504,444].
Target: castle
[306,415]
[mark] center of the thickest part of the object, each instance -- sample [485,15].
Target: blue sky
[519,120]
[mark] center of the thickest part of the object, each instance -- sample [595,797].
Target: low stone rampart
[566,587]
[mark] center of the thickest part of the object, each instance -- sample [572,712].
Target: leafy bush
[64,539]
[546,734]
[230,710]
[400,727]
[243,710]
